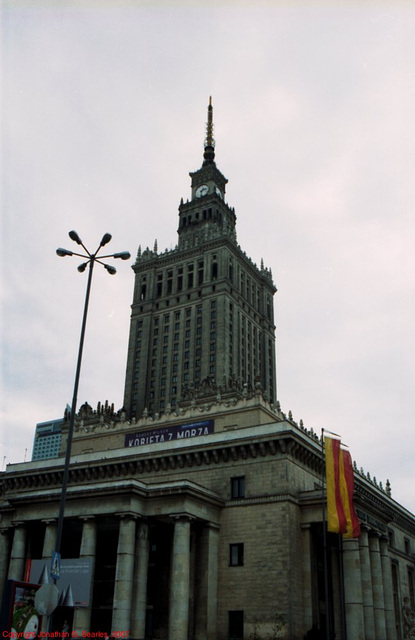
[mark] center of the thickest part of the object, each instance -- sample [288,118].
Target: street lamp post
[91,260]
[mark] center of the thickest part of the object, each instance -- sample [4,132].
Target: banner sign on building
[168,434]
[76,573]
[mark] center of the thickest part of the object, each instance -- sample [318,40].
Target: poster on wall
[75,573]
[19,617]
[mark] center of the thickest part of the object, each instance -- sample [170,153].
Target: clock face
[219,192]
[202,190]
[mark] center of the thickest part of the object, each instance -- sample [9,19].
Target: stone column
[138,616]
[82,615]
[307,604]
[49,541]
[4,558]
[180,580]
[124,576]
[377,587]
[353,590]
[367,585]
[387,588]
[207,584]
[18,554]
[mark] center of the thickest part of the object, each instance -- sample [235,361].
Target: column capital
[86,518]
[49,520]
[182,516]
[127,515]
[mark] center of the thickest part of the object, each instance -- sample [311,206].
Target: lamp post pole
[91,259]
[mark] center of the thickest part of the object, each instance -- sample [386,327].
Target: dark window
[395,594]
[236,625]
[180,279]
[238,487]
[411,586]
[236,554]
[189,276]
[159,285]
[169,281]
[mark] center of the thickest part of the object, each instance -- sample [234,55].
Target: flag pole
[325,551]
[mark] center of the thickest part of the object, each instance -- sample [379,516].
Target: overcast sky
[103,116]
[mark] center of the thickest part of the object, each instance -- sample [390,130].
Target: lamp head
[106,238]
[82,267]
[123,255]
[74,236]
[111,270]
[63,252]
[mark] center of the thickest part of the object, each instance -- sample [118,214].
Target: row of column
[368,587]
[130,589]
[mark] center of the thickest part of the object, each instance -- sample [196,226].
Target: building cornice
[275,439]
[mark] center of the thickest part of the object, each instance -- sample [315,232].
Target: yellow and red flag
[341,515]
[353,525]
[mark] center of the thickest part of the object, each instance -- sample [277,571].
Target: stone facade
[200,529]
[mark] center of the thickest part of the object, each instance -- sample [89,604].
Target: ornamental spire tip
[209,154]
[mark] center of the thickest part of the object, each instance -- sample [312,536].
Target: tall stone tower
[202,318]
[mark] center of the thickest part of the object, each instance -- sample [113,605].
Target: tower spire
[209,154]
